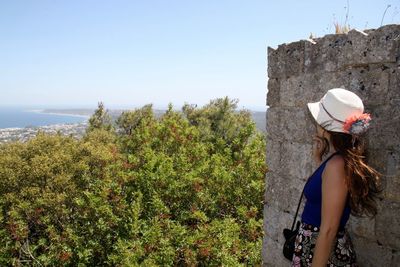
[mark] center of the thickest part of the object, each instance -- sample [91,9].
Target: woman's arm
[334,195]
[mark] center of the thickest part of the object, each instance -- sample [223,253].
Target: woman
[342,184]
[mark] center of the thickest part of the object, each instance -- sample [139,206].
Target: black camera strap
[297,210]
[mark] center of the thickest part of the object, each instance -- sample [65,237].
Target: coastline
[45,111]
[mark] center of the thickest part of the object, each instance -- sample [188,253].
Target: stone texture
[277,187]
[367,63]
[322,55]
[362,227]
[392,177]
[394,85]
[377,46]
[273,124]
[277,218]
[273,148]
[371,254]
[395,259]
[387,226]
[295,90]
[385,125]
[272,254]
[273,97]
[287,60]
[296,156]
[292,123]
[371,85]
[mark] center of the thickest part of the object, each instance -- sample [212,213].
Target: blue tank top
[313,194]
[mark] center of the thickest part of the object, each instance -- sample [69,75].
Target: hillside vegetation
[184,189]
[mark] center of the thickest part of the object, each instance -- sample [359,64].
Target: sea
[21,117]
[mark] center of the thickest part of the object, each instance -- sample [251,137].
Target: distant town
[23,134]
[78,129]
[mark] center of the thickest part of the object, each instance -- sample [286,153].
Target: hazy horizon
[116,107]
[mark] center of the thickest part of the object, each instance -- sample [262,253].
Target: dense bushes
[183,189]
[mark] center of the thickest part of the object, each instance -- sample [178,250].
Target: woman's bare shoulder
[337,161]
[335,168]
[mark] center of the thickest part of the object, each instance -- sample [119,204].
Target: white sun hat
[340,110]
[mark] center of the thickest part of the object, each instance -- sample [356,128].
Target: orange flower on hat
[357,124]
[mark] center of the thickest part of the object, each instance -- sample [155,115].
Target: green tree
[58,202]
[201,173]
[100,119]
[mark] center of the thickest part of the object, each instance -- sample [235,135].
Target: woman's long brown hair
[363,182]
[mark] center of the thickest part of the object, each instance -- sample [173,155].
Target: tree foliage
[184,189]
[100,119]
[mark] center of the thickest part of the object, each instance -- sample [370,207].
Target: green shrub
[184,189]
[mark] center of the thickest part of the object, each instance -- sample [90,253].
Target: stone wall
[367,63]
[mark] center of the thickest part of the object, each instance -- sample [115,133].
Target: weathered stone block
[372,86]
[394,85]
[322,55]
[331,80]
[384,127]
[273,155]
[390,159]
[370,254]
[291,123]
[355,52]
[296,159]
[274,123]
[274,67]
[296,124]
[283,192]
[395,259]
[388,224]
[273,97]
[377,46]
[274,219]
[272,254]
[297,91]
[363,227]
[387,163]
[286,60]
[383,44]
[392,188]
[376,158]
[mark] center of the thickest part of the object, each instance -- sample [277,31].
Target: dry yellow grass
[341,28]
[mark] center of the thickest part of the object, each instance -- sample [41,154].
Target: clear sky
[74,53]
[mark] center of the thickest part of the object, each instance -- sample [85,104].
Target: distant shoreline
[60,113]
[258,116]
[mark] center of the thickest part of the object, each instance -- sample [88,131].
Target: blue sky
[74,53]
